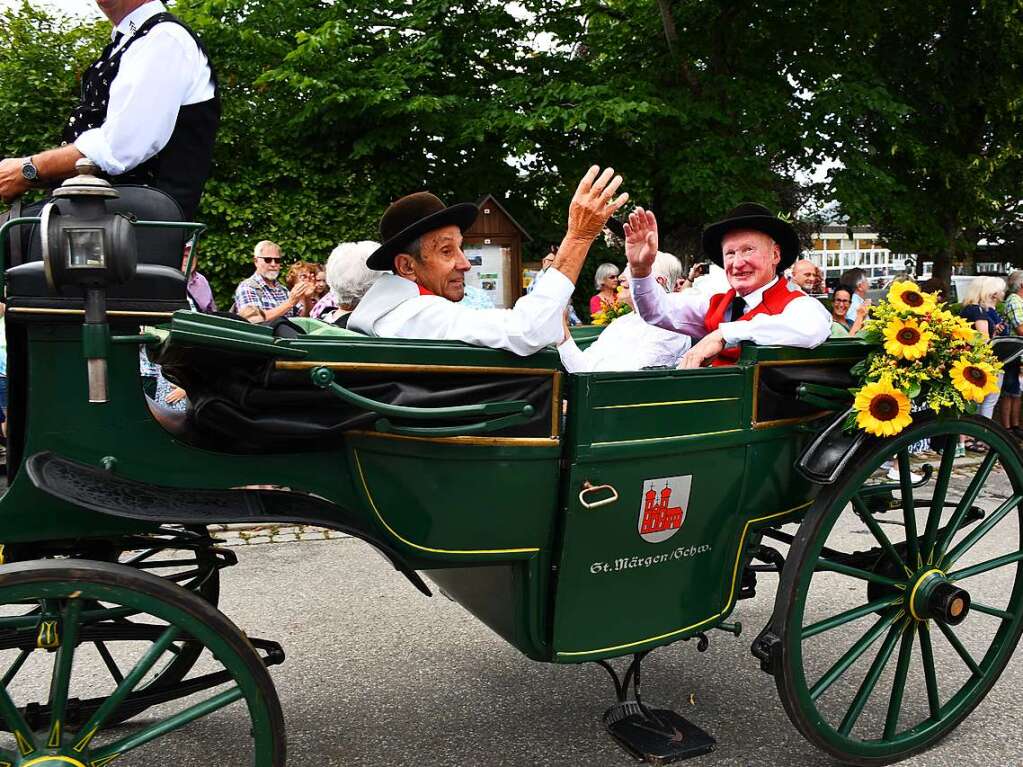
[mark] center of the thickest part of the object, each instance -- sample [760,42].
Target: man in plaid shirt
[1010,404]
[262,291]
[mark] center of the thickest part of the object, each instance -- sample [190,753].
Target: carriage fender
[831,450]
[103,492]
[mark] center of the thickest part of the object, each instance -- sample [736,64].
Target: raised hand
[592,205]
[641,242]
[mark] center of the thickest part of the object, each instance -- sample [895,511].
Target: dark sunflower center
[884,407]
[908,336]
[912,298]
[975,376]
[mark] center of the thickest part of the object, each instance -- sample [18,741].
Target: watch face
[29,171]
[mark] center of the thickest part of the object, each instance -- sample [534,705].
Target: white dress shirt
[628,343]
[393,308]
[804,322]
[159,73]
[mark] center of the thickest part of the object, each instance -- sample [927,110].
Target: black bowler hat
[413,216]
[749,215]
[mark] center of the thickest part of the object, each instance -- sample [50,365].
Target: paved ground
[379,675]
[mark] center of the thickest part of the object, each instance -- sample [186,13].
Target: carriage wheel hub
[934,597]
[53,761]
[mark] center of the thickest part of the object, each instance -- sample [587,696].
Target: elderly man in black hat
[422,246]
[753,247]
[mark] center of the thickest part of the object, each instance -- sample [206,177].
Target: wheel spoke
[868,519]
[849,616]
[168,725]
[891,722]
[853,653]
[15,667]
[959,648]
[109,662]
[870,680]
[16,724]
[938,502]
[982,608]
[129,683]
[908,509]
[983,567]
[968,542]
[855,572]
[61,678]
[927,653]
[966,502]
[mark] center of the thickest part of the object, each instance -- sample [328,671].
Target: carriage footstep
[656,736]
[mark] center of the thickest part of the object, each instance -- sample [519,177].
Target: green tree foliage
[921,102]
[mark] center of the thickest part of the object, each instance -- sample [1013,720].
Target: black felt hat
[413,216]
[750,215]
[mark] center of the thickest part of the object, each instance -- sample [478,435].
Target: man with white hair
[349,278]
[629,343]
[262,291]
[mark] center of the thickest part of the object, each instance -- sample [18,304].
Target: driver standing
[148,114]
[753,247]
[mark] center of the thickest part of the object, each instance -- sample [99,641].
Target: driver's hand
[12,183]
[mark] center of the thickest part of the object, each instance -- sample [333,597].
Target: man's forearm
[279,311]
[57,164]
[571,255]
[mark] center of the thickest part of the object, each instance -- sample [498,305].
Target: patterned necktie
[738,308]
[111,46]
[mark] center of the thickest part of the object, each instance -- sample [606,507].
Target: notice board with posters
[493,245]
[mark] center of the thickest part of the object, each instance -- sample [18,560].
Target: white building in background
[835,251]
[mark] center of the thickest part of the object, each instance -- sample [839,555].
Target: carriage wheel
[902,604]
[50,644]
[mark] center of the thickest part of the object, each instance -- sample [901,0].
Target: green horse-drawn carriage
[581,517]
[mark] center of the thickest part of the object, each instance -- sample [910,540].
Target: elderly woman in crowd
[303,271]
[606,280]
[349,278]
[982,295]
[629,343]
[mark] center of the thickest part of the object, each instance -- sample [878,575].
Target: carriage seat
[777,386]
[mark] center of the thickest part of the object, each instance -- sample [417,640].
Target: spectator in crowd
[303,272]
[840,326]
[348,278]
[606,280]
[629,343]
[807,276]
[422,246]
[699,269]
[1009,403]
[982,295]
[321,281]
[858,283]
[548,260]
[324,305]
[262,290]
[200,295]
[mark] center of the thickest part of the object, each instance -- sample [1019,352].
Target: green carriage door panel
[657,563]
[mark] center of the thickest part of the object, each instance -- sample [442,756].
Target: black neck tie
[112,45]
[738,308]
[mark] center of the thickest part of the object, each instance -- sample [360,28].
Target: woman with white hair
[629,343]
[606,282]
[982,295]
[349,278]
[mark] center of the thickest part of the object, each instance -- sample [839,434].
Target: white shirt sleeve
[573,358]
[804,323]
[534,323]
[158,74]
[680,312]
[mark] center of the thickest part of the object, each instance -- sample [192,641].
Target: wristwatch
[29,170]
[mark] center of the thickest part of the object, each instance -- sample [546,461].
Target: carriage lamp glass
[84,248]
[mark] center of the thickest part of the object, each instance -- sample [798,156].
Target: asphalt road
[379,675]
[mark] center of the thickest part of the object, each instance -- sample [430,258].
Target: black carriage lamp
[84,245]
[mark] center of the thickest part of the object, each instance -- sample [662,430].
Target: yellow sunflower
[906,339]
[882,410]
[907,297]
[974,380]
[962,331]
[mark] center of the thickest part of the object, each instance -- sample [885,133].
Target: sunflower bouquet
[610,312]
[927,355]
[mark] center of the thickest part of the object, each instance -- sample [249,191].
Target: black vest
[183,165]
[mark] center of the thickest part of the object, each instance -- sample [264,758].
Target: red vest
[774,301]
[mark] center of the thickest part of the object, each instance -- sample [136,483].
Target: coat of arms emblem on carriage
[662,508]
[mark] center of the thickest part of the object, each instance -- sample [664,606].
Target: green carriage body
[497,522]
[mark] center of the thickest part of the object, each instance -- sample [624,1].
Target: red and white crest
[663,506]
